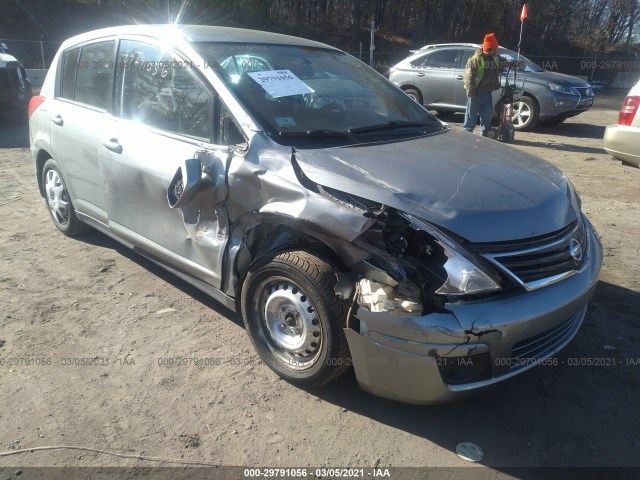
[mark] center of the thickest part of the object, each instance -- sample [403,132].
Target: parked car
[15,88]
[345,222]
[623,140]
[433,76]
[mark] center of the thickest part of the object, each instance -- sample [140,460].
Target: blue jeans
[480,104]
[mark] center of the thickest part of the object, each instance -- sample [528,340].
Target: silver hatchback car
[299,187]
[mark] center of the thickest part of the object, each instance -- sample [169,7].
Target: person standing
[481,77]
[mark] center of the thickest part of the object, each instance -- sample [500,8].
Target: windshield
[295,90]
[527,66]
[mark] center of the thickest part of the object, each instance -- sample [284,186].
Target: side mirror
[4,47]
[185,183]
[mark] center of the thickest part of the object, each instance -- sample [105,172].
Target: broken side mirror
[185,184]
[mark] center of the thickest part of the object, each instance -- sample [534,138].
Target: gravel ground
[90,297]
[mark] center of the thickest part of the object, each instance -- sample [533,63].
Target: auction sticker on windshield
[280,83]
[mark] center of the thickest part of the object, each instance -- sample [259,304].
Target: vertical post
[520,39]
[372,45]
[360,54]
[42,51]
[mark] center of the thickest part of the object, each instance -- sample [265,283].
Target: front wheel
[294,319]
[525,114]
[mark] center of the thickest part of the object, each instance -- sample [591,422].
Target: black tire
[64,216]
[296,287]
[414,93]
[533,114]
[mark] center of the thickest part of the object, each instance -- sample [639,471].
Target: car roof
[444,45]
[201,33]
[6,58]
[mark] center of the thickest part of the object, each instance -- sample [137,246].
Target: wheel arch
[413,87]
[273,235]
[41,158]
[532,96]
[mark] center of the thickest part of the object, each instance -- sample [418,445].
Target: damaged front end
[431,322]
[399,326]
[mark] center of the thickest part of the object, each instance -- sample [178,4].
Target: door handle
[113,145]
[420,74]
[459,77]
[57,119]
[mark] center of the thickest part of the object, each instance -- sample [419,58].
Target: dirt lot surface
[64,299]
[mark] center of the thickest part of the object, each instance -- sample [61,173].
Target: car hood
[556,77]
[480,189]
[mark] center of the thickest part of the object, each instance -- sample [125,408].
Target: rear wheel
[525,113]
[294,318]
[57,199]
[415,94]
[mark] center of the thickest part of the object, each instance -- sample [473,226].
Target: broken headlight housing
[465,275]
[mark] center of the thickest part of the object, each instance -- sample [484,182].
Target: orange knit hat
[490,42]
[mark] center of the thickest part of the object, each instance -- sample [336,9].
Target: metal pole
[372,45]
[360,55]
[520,41]
[42,51]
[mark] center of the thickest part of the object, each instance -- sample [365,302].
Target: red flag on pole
[524,15]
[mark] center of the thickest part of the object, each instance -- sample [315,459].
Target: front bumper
[623,142]
[415,359]
[563,105]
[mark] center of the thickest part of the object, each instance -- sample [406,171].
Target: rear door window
[441,59]
[95,74]
[466,55]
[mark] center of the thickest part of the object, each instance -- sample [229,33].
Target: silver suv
[433,76]
[296,185]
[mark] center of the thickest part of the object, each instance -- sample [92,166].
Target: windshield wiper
[315,133]
[390,125]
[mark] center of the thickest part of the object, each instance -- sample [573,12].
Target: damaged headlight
[465,275]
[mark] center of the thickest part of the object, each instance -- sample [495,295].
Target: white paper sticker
[280,83]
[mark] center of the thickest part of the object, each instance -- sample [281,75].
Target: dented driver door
[165,116]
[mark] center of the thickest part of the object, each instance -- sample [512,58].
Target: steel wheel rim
[288,323]
[57,198]
[521,114]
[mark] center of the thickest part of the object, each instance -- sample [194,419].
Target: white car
[622,140]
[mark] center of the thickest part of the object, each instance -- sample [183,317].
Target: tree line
[570,27]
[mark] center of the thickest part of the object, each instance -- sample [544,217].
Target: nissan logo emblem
[575,249]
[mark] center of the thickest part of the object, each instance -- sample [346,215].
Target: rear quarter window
[69,69]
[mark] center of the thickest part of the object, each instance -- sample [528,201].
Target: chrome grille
[542,260]
[541,346]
